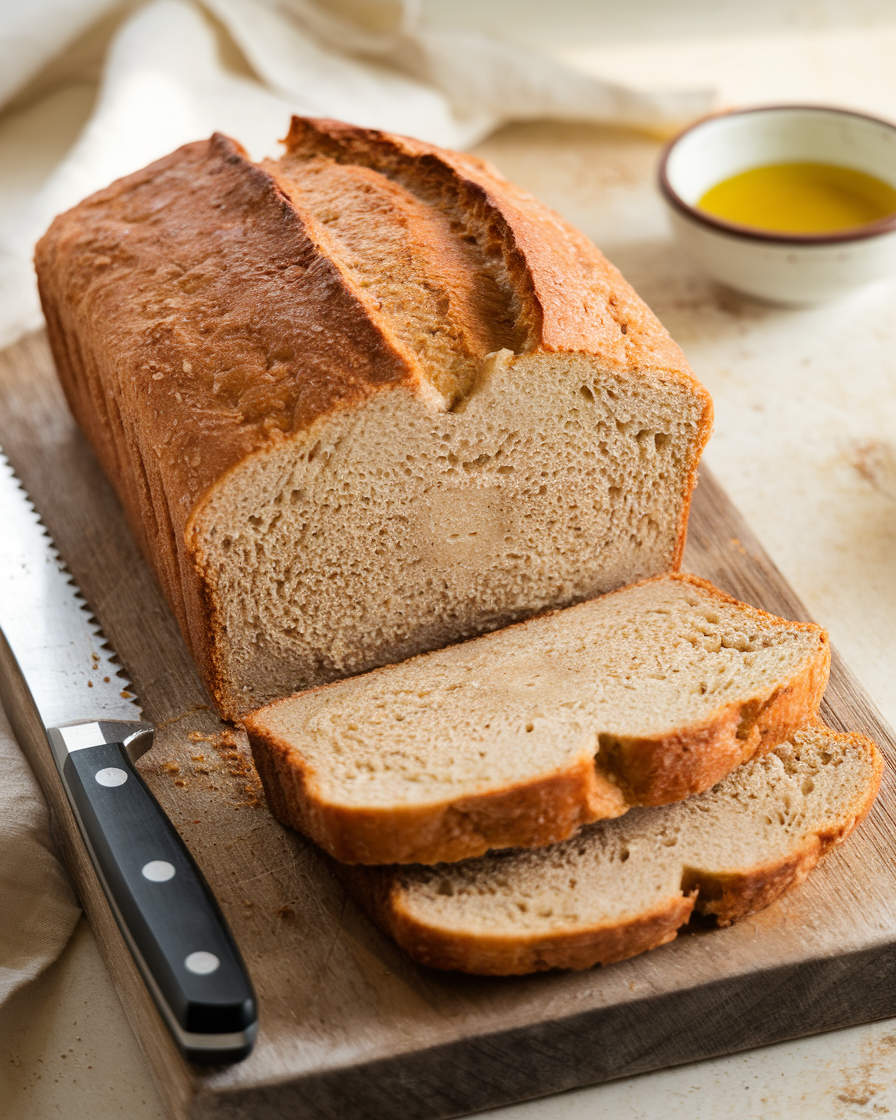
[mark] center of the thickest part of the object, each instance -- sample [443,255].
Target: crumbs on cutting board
[173,768]
[230,760]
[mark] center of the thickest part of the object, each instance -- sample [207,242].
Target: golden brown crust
[550,808]
[197,318]
[570,296]
[727,897]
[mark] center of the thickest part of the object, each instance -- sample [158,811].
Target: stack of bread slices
[623,762]
[413,465]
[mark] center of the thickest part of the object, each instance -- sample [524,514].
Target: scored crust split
[518,738]
[624,886]
[367,400]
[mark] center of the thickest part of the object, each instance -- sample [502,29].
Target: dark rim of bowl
[756,233]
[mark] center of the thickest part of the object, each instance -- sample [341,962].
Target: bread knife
[62,694]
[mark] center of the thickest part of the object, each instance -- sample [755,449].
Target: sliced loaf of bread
[364,401]
[518,738]
[623,886]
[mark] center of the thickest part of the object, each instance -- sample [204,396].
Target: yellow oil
[800,198]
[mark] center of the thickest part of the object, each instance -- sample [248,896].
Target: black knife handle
[165,909]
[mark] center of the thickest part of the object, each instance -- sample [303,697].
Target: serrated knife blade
[59,651]
[63,694]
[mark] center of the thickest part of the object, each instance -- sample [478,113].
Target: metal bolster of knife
[134,737]
[164,909]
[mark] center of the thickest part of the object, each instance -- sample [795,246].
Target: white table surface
[805,444]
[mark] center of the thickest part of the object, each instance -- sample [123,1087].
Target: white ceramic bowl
[790,269]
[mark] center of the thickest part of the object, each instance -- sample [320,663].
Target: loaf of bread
[363,402]
[623,886]
[517,738]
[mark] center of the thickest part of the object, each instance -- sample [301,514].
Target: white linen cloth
[39,910]
[177,70]
[173,71]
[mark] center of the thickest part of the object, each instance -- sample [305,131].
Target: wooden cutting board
[349,1026]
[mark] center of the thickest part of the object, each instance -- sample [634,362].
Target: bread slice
[623,886]
[364,401]
[642,697]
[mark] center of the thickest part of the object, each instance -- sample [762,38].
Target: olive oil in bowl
[800,198]
[802,226]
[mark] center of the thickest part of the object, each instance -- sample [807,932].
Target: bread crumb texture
[364,401]
[643,696]
[397,528]
[627,885]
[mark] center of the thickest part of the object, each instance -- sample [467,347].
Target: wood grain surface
[349,1026]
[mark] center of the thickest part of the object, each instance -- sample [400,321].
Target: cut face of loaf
[517,738]
[624,886]
[364,401]
[398,527]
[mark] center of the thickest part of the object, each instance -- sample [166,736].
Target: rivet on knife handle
[166,911]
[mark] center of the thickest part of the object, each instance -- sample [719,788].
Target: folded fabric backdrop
[172,71]
[176,71]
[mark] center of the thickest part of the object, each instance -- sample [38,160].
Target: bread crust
[552,807]
[725,896]
[197,320]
